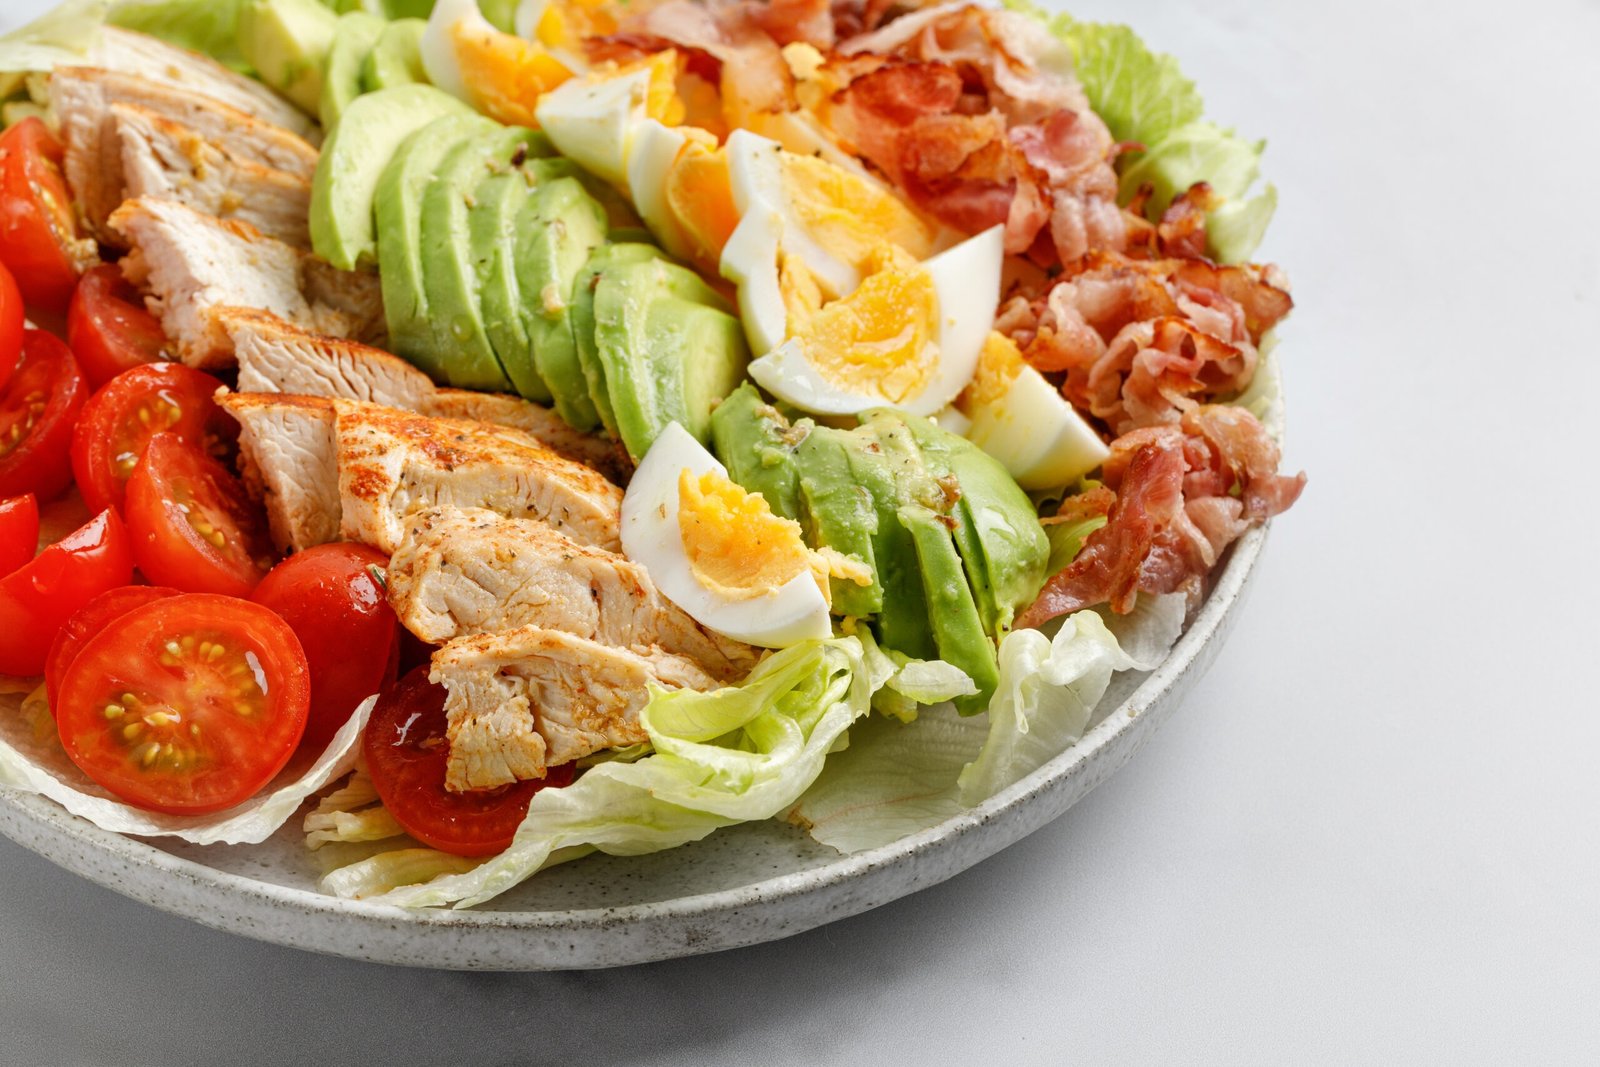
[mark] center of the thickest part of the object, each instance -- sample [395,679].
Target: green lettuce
[728,756]
[209,27]
[63,35]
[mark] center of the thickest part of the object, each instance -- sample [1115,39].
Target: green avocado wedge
[667,348]
[957,630]
[757,445]
[461,345]
[595,402]
[354,38]
[397,57]
[399,223]
[287,42]
[355,157]
[497,206]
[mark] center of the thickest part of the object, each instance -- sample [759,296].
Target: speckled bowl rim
[54,830]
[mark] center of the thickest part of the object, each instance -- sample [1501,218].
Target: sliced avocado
[287,42]
[595,403]
[354,158]
[884,461]
[354,38]
[397,57]
[839,510]
[757,445]
[497,206]
[667,347]
[461,344]
[399,226]
[957,630]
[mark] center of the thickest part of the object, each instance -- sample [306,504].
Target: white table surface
[1373,832]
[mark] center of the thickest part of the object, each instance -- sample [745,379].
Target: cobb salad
[481,434]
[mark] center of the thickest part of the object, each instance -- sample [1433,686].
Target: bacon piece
[1183,494]
[791,21]
[754,77]
[1153,371]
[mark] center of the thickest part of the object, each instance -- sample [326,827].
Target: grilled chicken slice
[331,468]
[197,75]
[82,98]
[528,699]
[278,357]
[393,463]
[162,160]
[191,264]
[469,571]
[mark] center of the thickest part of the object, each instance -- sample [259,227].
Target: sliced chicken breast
[165,161]
[604,455]
[468,571]
[528,699]
[191,264]
[289,455]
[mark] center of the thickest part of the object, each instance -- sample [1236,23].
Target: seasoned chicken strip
[165,161]
[278,357]
[528,699]
[467,571]
[289,455]
[392,463]
[191,264]
[195,74]
[81,99]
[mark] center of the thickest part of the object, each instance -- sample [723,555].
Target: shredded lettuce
[893,781]
[33,761]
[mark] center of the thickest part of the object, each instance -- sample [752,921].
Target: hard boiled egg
[717,551]
[1023,421]
[499,74]
[593,121]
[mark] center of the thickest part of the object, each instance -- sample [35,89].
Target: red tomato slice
[11,321]
[118,422]
[108,327]
[38,408]
[39,241]
[19,531]
[406,749]
[37,600]
[333,598]
[193,528]
[89,620]
[187,705]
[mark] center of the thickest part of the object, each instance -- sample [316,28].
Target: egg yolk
[505,74]
[566,23]
[661,100]
[847,214]
[878,340]
[737,547]
[700,197]
[998,366]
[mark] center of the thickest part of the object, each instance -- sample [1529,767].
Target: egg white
[1036,434]
[594,123]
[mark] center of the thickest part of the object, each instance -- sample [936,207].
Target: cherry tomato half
[38,409]
[39,242]
[118,422]
[19,531]
[406,750]
[333,598]
[88,621]
[38,599]
[108,327]
[187,705]
[11,322]
[193,527]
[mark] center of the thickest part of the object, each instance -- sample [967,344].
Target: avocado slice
[558,228]
[497,206]
[355,157]
[885,462]
[354,38]
[461,344]
[757,445]
[839,510]
[399,226]
[594,404]
[957,630]
[668,349]
[287,42]
[397,57]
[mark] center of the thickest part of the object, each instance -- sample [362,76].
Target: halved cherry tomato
[187,705]
[38,599]
[89,620]
[406,749]
[39,242]
[38,408]
[19,531]
[333,598]
[137,404]
[11,320]
[193,527]
[108,327]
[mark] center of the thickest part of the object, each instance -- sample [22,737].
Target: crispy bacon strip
[1183,494]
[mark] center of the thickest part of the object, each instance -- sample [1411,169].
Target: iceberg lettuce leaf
[209,27]
[63,35]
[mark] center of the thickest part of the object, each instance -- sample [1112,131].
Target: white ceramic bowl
[743,885]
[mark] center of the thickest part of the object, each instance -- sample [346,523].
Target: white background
[1373,832]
